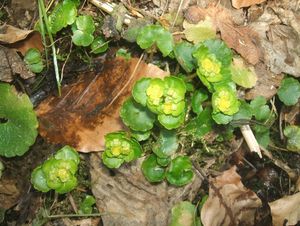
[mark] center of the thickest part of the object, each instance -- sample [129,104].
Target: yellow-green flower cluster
[225,100]
[166,96]
[58,172]
[210,68]
[119,149]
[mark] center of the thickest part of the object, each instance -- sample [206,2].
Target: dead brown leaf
[266,85]
[89,109]
[229,202]
[128,199]
[286,211]
[245,3]
[19,39]
[9,193]
[243,39]
[11,64]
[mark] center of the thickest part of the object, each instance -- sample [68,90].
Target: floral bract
[119,149]
[58,172]
[224,100]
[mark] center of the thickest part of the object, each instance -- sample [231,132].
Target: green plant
[151,35]
[18,122]
[184,214]
[120,148]
[57,172]
[99,45]
[83,30]
[86,206]
[289,91]
[293,138]
[33,60]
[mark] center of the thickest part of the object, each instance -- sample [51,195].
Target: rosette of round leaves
[225,104]
[180,171]
[63,14]
[213,59]
[120,148]
[58,172]
[18,122]
[151,35]
[83,30]
[33,60]
[166,98]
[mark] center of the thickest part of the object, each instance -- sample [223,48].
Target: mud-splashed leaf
[242,75]
[229,202]
[183,214]
[90,108]
[245,3]
[286,211]
[293,135]
[183,52]
[242,39]
[199,32]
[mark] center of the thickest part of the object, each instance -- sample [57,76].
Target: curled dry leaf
[19,39]
[229,202]
[89,109]
[290,214]
[245,3]
[12,64]
[242,39]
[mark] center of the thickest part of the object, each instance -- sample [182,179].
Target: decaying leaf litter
[244,188]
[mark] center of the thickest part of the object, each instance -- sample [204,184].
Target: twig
[72,202]
[250,139]
[177,13]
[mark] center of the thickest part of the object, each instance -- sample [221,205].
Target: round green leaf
[199,96]
[171,122]
[99,45]
[293,135]
[220,118]
[33,60]
[139,90]
[80,38]
[18,122]
[183,214]
[86,205]
[139,135]
[289,91]
[164,40]
[166,144]
[151,170]
[244,113]
[38,180]
[136,117]
[183,53]
[67,153]
[242,75]
[86,24]
[180,171]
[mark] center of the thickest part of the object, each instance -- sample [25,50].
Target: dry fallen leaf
[11,64]
[266,85]
[229,202]
[19,39]
[128,199]
[245,3]
[89,109]
[286,211]
[242,39]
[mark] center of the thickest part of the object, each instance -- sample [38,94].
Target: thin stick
[250,139]
[292,173]
[57,76]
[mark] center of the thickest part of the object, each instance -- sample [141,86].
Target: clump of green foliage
[57,172]
[33,60]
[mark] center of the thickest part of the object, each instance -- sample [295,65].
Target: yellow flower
[224,101]
[155,92]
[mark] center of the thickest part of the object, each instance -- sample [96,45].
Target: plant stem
[75,215]
[57,76]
